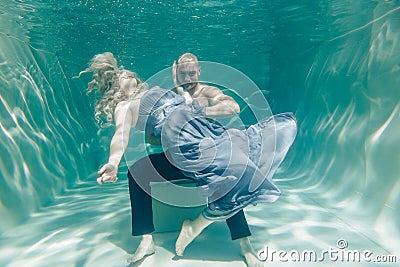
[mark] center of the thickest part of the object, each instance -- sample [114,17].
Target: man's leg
[157,168]
[238,226]
[152,168]
[240,231]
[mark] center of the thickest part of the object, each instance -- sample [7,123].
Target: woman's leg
[237,225]
[190,230]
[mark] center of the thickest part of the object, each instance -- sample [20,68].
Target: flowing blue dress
[232,168]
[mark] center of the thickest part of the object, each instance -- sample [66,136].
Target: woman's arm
[123,116]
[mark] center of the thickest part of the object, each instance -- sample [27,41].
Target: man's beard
[189,86]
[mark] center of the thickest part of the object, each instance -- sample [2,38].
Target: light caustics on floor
[90,226]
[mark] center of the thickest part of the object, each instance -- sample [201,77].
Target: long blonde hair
[106,81]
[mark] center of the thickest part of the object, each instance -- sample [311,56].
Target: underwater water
[334,63]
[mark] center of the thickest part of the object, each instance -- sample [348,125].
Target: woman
[229,169]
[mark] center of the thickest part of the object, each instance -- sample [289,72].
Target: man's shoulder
[208,90]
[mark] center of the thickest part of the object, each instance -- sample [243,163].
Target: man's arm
[219,104]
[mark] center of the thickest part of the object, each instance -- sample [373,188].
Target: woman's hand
[107,174]
[174,67]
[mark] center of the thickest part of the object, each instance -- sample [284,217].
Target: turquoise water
[335,64]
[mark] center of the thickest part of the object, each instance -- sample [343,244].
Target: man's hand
[185,94]
[107,174]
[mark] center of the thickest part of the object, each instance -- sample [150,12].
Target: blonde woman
[221,161]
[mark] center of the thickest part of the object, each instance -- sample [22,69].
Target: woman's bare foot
[185,237]
[145,248]
[248,253]
[190,230]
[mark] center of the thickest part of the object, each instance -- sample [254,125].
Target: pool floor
[90,226]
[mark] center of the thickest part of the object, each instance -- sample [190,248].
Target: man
[156,167]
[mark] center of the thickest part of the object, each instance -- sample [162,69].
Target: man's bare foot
[248,253]
[145,248]
[252,260]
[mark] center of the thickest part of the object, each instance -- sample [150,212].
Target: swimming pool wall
[334,63]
